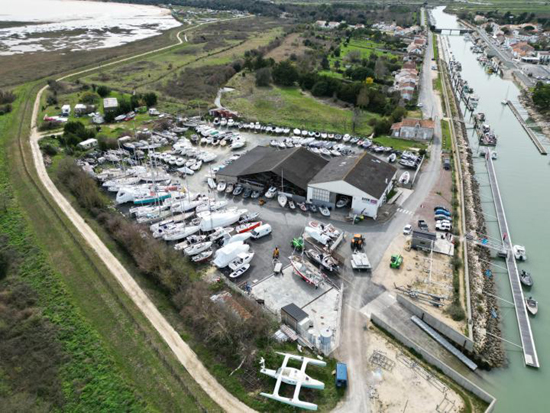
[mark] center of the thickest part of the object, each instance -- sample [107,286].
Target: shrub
[103,91]
[263,77]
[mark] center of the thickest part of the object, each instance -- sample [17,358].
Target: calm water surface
[77,25]
[524,180]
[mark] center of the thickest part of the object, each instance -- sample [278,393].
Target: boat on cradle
[191,240]
[197,248]
[324,211]
[324,260]
[249,226]
[229,189]
[248,217]
[282,200]
[532,305]
[242,259]
[519,252]
[405,178]
[221,186]
[239,271]
[306,271]
[526,278]
[291,204]
[327,229]
[302,206]
[180,233]
[219,233]
[211,221]
[203,256]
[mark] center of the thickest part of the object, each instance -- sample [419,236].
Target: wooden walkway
[527,339]
[531,134]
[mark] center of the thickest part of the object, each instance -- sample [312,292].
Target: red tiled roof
[411,123]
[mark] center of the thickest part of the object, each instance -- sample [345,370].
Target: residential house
[415,129]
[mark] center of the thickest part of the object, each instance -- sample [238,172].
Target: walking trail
[182,351]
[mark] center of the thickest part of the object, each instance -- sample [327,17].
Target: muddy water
[524,180]
[76,25]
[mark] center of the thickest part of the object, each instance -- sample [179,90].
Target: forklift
[357,242]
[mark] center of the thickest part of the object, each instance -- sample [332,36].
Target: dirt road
[183,352]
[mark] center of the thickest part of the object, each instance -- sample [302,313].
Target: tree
[353,56]
[541,96]
[325,64]
[89,98]
[363,98]
[398,114]
[284,73]
[263,77]
[382,127]
[150,99]
[320,89]
[103,91]
[380,69]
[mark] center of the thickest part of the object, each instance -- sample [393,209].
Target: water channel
[524,180]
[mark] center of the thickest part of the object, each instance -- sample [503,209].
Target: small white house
[363,179]
[66,110]
[88,144]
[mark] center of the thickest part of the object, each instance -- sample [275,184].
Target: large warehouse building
[363,179]
[290,170]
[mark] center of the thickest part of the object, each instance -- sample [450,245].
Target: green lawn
[399,144]
[291,107]
[446,135]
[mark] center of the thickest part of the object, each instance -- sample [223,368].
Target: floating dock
[527,340]
[531,134]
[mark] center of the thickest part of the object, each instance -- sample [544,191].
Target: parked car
[423,225]
[407,230]
[442,217]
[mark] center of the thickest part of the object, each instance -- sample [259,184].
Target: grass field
[399,144]
[446,135]
[540,8]
[291,107]
[118,362]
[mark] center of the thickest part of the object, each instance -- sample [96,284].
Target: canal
[524,180]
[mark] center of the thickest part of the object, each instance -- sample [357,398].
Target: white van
[261,231]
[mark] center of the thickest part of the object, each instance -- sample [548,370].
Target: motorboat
[324,211]
[203,256]
[184,170]
[229,189]
[228,253]
[494,156]
[197,248]
[238,190]
[291,204]
[302,206]
[271,192]
[239,271]
[191,240]
[526,278]
[405,178]
[318,235]
[248,217]
[392,158]
[255,194]
[237,144]
[519,253]
[221,186]
[324,151]
[242,259]
[237,238]
[249,226]
[532,305]
[327,229]
[219,233]
[342,202]
[282,200]
[324,260]
[306,271]
[196,166]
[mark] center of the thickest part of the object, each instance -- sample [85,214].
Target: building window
[320,195]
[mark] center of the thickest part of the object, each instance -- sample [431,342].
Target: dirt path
[183,352]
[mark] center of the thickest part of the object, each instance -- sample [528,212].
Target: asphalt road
[361,291]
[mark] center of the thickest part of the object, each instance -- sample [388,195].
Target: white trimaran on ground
[294,377]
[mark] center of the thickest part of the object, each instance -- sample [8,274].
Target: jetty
[530,133]
[527,340]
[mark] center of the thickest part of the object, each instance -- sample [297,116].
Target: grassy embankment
[116,361]
[446,141]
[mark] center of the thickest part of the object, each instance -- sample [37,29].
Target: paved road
[362,290]
[182,351]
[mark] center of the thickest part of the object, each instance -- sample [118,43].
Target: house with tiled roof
[415,129]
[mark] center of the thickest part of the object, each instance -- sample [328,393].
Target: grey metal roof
[297,165]
[365,172]
[424,235]
[295,312]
